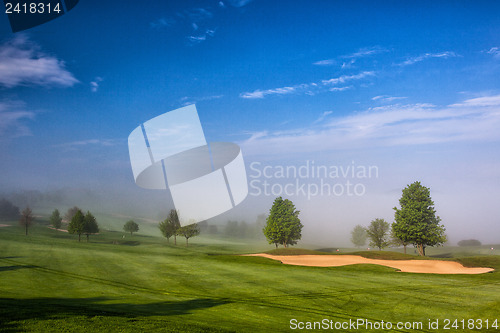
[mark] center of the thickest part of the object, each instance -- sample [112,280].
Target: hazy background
[411,88]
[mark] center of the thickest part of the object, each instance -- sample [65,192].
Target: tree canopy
[70,213]
[378,233]
[283,223]
[76,225]
[189,231]
[55,219]
[416,221]
[131,226]
[170,226]
[358,236]
[90,225]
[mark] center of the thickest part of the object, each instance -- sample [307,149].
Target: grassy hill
[52,283]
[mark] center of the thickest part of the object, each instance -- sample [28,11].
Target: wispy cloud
[387,98]
[196,22]
[163,22]
[94,85]
[23,64]
[13,115]
[475,119]
[348,60]
[322,117]
[192,40]
[308,88]
[413,60]
[186,100]
[495,51]
[238,3]
[74,145]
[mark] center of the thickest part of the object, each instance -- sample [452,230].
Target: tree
[283,223]
[416,222]
[189,231]
[377,232]
[395,241]
[26,219]
[8,211]
[77,223]
[358,236]
[55,219]
[70,213]
[90,225]
[131,227]
[469,242]
[170,226]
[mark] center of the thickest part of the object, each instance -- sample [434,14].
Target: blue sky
[411,87]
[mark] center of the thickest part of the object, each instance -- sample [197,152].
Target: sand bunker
[409,266]
[4,225]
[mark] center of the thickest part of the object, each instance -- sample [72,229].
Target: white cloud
[74,145]
[326,62]
[22,64]
[480,102]
[495,51]
[353,57]
[185,101]
[386,98]
[341,88]
[238,3]
[445,55]
[162,23]
[323,116]
[308,88]
[94,85]
[345,78]
[474,119]
[12,118]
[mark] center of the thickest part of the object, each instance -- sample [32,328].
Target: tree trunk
[131,234]
[421,250]
[187,242]
[78,238]
[285,245]
[404,246]
[276,245]
[175,239]
[26,229]
[87,238]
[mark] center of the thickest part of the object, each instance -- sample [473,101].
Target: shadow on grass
[14,311]
[14,267]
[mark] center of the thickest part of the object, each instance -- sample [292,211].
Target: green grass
[49,283]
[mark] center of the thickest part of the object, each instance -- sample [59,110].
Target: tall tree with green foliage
[358,236]
[377,232]
[131,226]
[283,223]
[90,225]
[416,222]
[26,219]
[56,219]
[170,226]
[77,224]
[189,231]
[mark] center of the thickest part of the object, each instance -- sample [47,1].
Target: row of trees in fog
[416,223]
[171,226]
